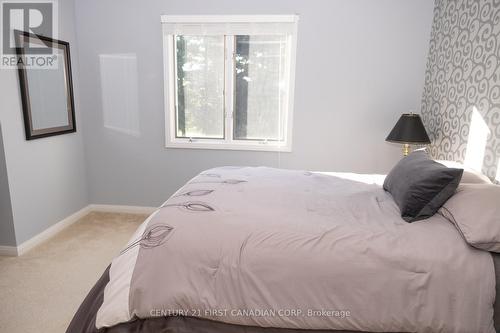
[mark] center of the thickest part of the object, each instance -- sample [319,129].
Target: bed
[241,249]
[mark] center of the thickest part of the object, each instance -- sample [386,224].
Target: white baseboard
[51,231]
[122,209]
[59,226]
[10,251]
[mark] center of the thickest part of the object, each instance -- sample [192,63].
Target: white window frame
[228,142]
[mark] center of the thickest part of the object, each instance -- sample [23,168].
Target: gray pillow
[420,186]
[470,176]
[475,211]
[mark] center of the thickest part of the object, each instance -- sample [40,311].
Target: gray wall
[47,177]
[463,73]
[7,234]
[360,63]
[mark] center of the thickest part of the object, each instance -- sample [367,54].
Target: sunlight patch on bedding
[362,178]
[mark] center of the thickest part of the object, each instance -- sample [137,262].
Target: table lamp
[409,130]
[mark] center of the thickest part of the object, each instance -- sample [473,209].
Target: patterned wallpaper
[463,74]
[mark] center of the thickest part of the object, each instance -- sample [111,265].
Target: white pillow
[470,176]
[475,211]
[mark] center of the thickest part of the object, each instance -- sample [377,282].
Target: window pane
[200,86]
[260,87]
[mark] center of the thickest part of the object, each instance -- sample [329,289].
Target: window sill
[253,146]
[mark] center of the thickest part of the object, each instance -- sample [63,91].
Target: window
[229,81]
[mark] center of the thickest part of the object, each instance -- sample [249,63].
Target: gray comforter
[292,249]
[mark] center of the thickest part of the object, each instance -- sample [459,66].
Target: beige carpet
[41,290]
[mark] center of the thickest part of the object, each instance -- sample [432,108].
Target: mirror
[46,90]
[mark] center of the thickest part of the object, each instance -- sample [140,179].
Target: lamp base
[406,149]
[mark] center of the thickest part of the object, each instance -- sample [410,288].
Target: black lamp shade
[409,129]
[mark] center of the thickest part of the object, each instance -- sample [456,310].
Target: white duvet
[276,248]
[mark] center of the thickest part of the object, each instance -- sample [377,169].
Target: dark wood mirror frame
[31,132]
